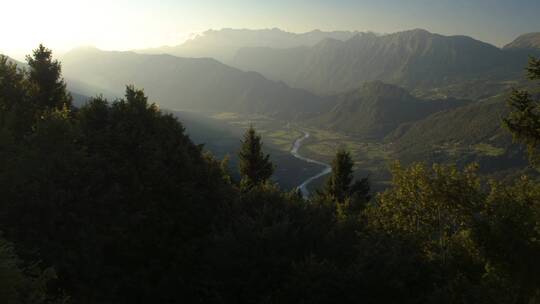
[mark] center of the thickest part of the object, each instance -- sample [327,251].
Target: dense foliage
[524,120]
[116,198]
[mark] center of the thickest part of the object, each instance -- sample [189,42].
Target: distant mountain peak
[414,58]
[529,41]
[415,34]
[87,49]
[360,35]
[224,44]
[415,31]
[420,31]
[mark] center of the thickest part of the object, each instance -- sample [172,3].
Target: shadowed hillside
[185,83]
[376,108]
[415,58]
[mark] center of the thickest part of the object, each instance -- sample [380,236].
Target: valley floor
[371,158]
[222,132]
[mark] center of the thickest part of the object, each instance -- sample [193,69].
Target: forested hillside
[468,134]
[376,109]
[113,203]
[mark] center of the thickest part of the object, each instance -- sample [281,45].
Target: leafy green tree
[45,77]
[508,231]
[524,118]
[437,208]
[255,167]
[433,205]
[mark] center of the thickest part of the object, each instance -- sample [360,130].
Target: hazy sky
[130,24]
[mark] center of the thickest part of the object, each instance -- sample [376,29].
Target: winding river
[327,169]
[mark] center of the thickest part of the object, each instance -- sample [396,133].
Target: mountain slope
[415,58]
[18,63]
[376,109]
[530,41]
[223,44]
[186,83]
[472,133]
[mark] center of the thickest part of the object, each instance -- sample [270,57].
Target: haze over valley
[375,90]
[281,152]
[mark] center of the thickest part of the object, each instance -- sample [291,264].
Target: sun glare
[64,24]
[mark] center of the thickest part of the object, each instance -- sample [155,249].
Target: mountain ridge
[376,108]
[188,83]
[529,41]
[224,43]
[414,58]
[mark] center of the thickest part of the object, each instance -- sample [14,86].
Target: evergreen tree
[255,167]
[15,111]
[48,87]
[339,185]
[524,118]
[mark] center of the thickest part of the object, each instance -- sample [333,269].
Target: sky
[134,24]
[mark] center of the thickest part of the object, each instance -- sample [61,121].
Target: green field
[371,158]
[222,132]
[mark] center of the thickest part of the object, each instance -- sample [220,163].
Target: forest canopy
[113,203]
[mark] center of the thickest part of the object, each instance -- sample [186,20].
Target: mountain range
[223,44]
[413,59]
[424,95]
[329,68]
[201,84]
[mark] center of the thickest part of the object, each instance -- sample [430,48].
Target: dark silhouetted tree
[339,182]
[45,76]
[15,109]
[341,186]
[255,167]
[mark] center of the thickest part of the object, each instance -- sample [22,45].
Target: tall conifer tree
[45,76]
[340,185]
[255,167]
